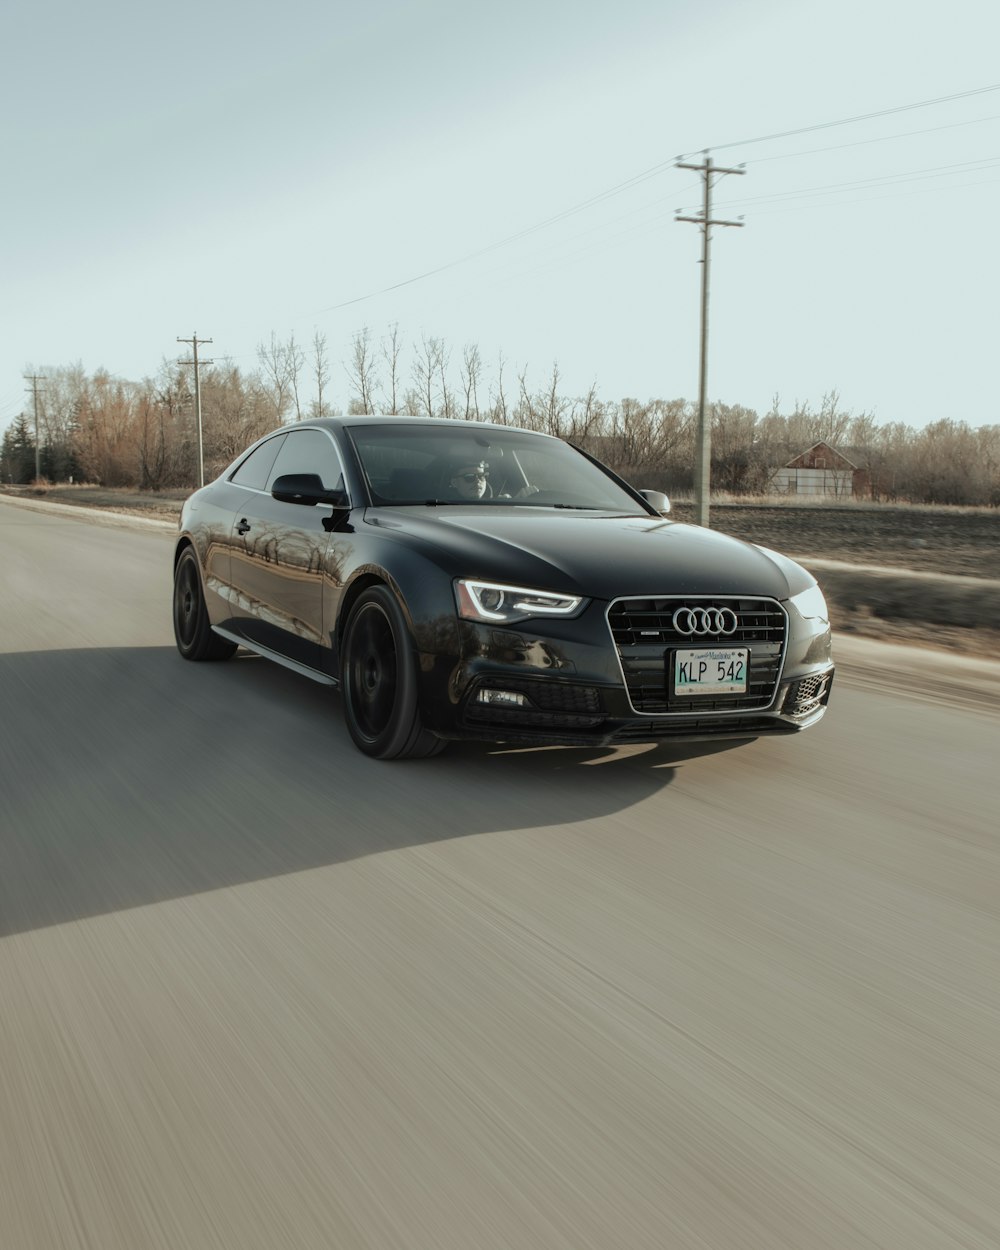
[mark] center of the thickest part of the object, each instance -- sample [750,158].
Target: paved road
[257,991]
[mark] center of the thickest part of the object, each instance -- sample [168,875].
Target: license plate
[721,670]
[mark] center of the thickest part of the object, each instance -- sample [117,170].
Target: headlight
[490,601]
[811,604]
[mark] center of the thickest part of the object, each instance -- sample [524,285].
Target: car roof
[342,422]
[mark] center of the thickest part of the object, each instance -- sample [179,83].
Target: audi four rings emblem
[705,621]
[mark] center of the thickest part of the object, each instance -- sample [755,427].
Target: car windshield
[410,463]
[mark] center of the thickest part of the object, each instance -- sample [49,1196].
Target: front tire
[192,630]
[380,681]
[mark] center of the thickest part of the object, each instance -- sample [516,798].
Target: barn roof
[803,459]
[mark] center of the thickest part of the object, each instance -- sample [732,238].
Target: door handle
[243,527]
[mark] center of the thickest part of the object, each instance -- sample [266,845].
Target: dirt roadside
[919,576]
[925,577]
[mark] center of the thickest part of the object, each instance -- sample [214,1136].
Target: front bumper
[606,720]
[573,686]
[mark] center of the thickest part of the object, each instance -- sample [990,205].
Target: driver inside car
[471,481]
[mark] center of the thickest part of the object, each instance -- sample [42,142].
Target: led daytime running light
[507,603]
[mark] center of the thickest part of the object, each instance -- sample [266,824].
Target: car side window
[256,468]
[308,451]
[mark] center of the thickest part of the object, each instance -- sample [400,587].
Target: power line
[876,183]
[628,183]
[860,143]
[508,274]
[636,180]
[791,207]
[13,401]
[848,121]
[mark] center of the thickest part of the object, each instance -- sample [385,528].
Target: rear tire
[195,640]
[380,682]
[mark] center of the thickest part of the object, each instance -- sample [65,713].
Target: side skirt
[302,669]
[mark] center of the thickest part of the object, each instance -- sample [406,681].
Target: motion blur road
[258,991]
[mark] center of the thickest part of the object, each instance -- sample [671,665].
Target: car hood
[597,555]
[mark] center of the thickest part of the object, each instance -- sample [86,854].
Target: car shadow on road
[133,777]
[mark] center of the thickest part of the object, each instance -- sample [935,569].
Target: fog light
[502,698]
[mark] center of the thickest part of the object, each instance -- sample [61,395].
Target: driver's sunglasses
[478,476]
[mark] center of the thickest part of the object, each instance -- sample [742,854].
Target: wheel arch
[370,576]
[182,544]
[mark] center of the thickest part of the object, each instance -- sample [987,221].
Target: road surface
[257,991]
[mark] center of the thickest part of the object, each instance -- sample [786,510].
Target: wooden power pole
[194,340]
[703,454]
[34,379]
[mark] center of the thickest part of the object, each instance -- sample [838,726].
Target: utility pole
[194,340]
[703,454]
[34,379]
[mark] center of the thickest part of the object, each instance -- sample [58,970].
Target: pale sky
[241,169]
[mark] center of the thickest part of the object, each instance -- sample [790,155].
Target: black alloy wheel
[195,640]
[380,681]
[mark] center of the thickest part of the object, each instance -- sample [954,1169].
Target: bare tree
[447,399]
[832,424]
[526,414]
[106,441]
[989,458]
[171,393]
[362,374]
[947,465]
[499,405]
[427,370]
[471,371]
[237,410]
[630,431]
[555,407]
[869,451]
[733,429]
[296,359]
[276,364]
[674,424]
[586,416]
[321,372]
[152,442]
[392,349]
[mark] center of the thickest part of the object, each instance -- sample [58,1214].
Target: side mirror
[656,499]
[308,489]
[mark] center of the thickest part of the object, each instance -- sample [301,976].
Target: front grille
[646,639]
[807,695]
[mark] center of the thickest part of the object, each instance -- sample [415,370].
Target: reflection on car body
[463,580]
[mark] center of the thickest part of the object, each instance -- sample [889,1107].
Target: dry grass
[722,499]
[164,504]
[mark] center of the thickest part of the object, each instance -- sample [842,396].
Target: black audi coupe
[462,580]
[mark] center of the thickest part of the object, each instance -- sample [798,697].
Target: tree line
[102,429]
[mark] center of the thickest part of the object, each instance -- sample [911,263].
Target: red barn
[822,470]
